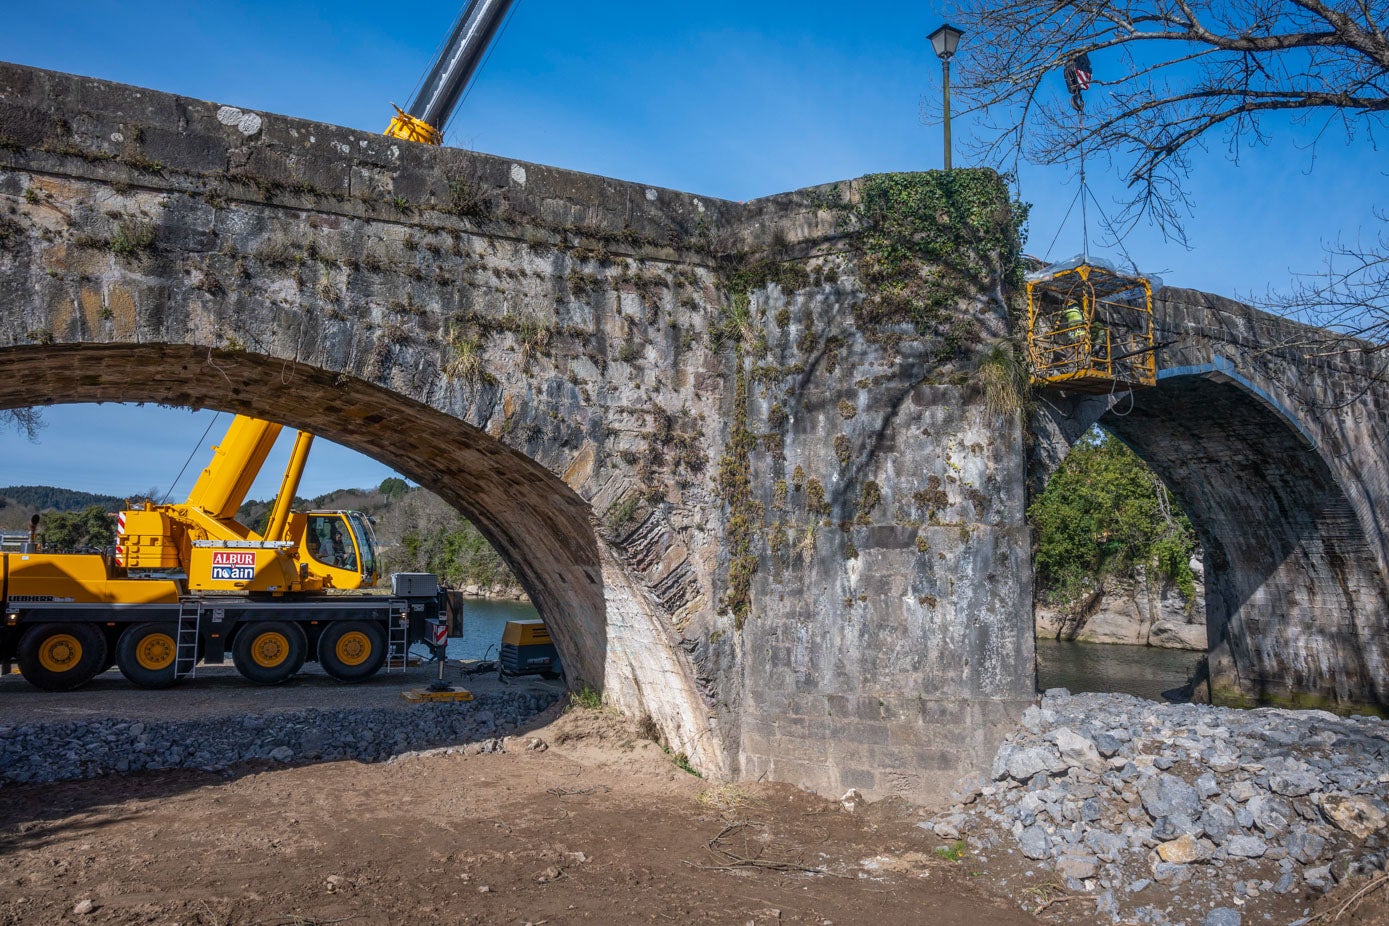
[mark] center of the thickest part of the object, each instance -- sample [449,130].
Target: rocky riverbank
[1179,813]
[1137,610]
[55,751]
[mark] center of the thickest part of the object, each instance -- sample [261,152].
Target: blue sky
[735,100]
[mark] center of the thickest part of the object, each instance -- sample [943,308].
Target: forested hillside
[17,503]
[72,520]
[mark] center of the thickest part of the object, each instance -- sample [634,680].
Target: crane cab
[342,546]
[1090,328]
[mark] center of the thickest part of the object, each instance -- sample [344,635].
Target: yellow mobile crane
[188,582]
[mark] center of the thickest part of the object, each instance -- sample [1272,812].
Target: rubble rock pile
[1179,813]
[40,752]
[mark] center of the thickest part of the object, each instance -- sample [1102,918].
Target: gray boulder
[1166,795]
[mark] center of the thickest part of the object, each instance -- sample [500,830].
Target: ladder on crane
[190,625]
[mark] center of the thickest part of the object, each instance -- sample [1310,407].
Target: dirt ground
[580,820]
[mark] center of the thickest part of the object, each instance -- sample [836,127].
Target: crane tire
[147,654]
[269,652]
[351,651]
[61,657]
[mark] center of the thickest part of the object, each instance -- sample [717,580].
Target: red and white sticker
[441,634]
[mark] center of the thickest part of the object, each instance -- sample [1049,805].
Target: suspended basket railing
[1090,328]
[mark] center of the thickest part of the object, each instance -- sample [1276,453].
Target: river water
[1146,671]
[483,621]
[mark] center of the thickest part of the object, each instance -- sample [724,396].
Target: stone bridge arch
[1258,444]
[546,532]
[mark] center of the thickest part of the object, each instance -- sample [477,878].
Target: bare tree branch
[27,421]
[1169,72]
[1170,77]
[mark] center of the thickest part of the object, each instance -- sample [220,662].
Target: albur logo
[228,566]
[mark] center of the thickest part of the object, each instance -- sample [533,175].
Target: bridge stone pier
[762,467]
[1272,435]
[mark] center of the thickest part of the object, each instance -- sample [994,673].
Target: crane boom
[453,70]
[236,462]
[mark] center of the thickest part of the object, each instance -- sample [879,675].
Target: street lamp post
[945,40]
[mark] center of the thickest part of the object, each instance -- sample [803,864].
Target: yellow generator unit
[528,650]
[1090,328]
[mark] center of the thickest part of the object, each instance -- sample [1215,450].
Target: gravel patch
[64,751]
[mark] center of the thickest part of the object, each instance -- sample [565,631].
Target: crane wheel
[351,651]
[61,657]
[269,652]
[148,655]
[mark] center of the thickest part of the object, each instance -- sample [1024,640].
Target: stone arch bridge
[758,465]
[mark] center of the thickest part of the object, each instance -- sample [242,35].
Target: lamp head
[945,40]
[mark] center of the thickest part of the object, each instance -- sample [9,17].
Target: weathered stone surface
[1034,842]
[1169,796]
[1287,503]
[1024,763]
[1233,848]
[1077,750]
[1178,635]
[52,751]
[1077,866]
[1246,846]
[1142,610]
[1222,916]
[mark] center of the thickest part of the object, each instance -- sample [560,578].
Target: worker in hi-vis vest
[1073,321]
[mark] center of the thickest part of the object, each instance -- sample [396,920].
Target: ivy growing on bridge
[929,244]
[930,240]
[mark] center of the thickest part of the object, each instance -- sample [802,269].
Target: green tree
[73,531]
[1104,513]
[393,487]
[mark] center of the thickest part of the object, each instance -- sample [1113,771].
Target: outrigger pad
[421,696]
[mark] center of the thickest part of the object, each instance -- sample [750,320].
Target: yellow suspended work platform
[1090,328]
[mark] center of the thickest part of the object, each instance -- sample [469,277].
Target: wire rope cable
[1113,409]
[1084,214]
[467,92]
[1062,227]
[196,448]
[1109,226]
